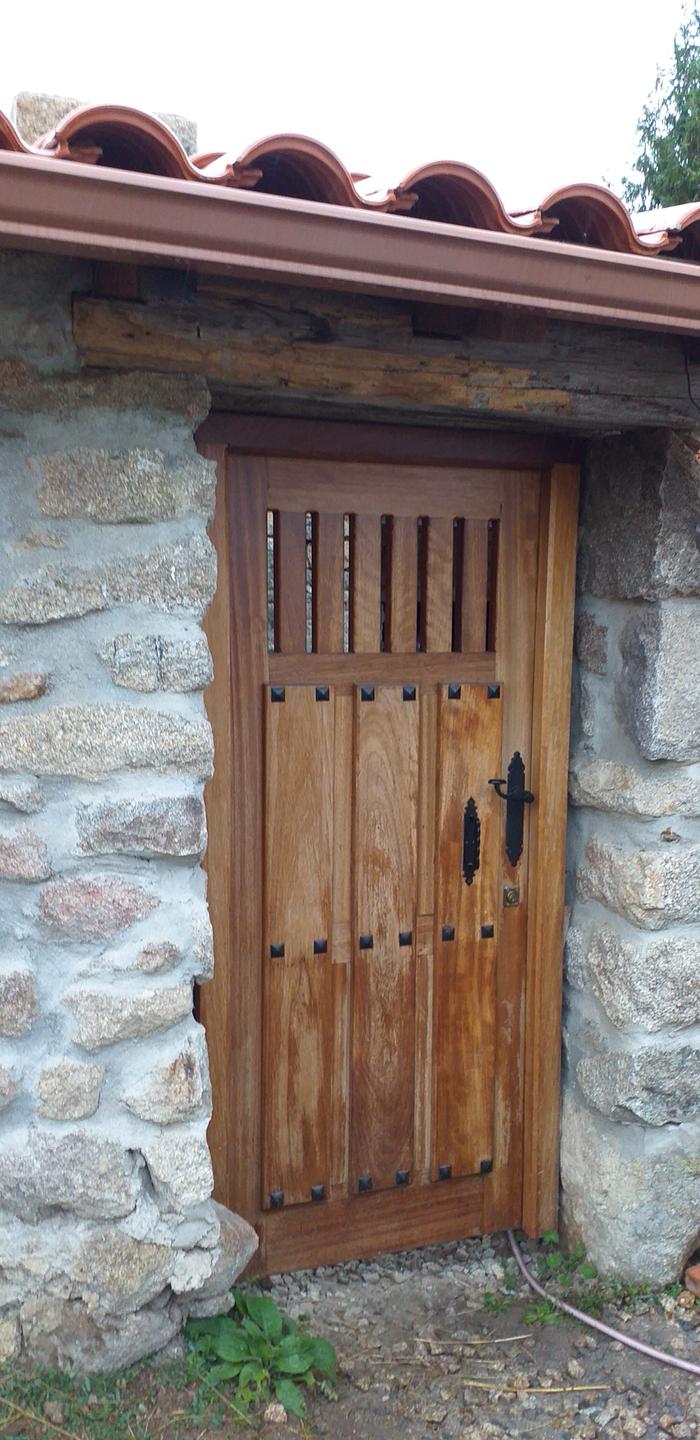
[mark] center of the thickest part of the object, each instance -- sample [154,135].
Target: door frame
[220,999]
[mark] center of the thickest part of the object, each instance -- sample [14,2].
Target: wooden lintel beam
[265,347]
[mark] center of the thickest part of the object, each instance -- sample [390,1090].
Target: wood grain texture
[327,573]
[401,490]
[284,348]
[555,616]
[298,995]
[413,669]
[231,1005]
[515,649]
[385,853]
[290,582]
[402,616]
[365,583]
[464,1007]
[439,582]
[474,585]
[216,997]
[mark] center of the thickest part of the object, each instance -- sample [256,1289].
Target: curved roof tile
[301,168]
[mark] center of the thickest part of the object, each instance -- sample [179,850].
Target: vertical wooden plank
[403,577]
[515,662]
[298,983]
[341,943]
[231,1004]
[290,582]
[555,618]
[385,846]
[474,585]
[464,1044]
[327,578]
[214,998]
[365,583]
[439,583]
[427,695]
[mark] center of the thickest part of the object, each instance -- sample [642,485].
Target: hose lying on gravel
[620,1335]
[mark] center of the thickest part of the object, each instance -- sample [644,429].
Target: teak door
[392,649]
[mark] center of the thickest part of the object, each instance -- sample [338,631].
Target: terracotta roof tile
[301,168]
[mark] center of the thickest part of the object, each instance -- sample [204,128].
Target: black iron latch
[516,797]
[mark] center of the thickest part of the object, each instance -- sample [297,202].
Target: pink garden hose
[632,1344]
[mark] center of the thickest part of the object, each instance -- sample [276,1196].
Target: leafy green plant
[263,1353]
[540,1312]
[495,1304]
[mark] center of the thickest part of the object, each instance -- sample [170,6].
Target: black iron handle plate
[471,841]
[516,798]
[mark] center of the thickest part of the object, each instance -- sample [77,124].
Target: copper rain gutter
[78,209]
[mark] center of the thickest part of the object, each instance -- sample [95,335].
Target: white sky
[535,93]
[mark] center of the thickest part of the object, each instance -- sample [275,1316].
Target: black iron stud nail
[318,1192]
[366,942]
[402,1177]
[486,1167]
[493,692]
[322,692]
[454,692]
[487,932]
[448,932]
[409,692]
[367,692]
[276,1199]
[364,1184]
[444,1172]
[277,694]
[277,952]
[405,937]
[320,947]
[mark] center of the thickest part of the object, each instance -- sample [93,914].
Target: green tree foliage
[668,160]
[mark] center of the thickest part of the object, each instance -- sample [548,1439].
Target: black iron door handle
[516,798]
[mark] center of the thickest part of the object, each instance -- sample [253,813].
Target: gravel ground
[424,1355]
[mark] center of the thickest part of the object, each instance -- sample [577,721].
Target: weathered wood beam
[286,351]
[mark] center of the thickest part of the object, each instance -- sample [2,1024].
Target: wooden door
[387,637]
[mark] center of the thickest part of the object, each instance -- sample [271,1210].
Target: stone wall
[108,1234]
[631,1117]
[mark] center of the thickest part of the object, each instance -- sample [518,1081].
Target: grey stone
[168,825]
[81,1172]
[622,789]
[173,577]
[153,662]
[652,888]
[203,945]
[648,984]
[69,1090]
[10,1337]
[174,1090]
[653,477]
[18,1002]
[87,741]
[23,857]
[8,1086]
[183,129]
[117,1273]
[93,908]
[35,115]
[591,643]
[179,1165]
[127,486]
[238,1243]
[27,391]
[661,681]
[156,956]
[64,1335]
[659,1084]
[634,1203]
[236,1246]
[27,686]
[105,1016]
[39,540]
[20,794]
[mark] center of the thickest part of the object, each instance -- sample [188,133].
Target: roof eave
[85,210]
